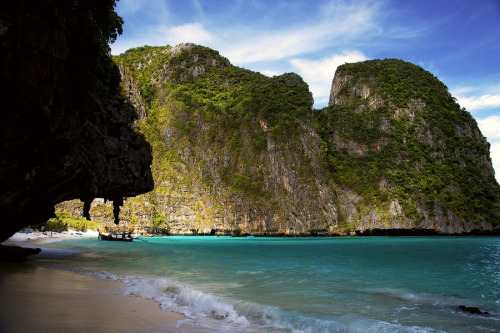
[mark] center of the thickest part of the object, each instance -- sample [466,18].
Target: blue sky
[458,41]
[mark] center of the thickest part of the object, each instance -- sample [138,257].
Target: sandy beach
[37,299]
[39,238]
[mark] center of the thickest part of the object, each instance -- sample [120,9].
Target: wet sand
[37,299]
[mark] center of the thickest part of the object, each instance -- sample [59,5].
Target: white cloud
[490,127]
[495,158]
[269,72]
[461,91]
[319,73]
[188,33]
[197,6]
[336,23]
[343,26]
[473,103]
[163,35]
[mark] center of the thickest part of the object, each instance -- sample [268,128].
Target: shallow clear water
[351,284]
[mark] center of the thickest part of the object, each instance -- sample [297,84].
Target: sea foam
[302,285]
[210,313]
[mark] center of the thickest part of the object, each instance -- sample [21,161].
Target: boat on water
[115,237]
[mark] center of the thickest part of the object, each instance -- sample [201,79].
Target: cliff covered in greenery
[400,140]
[236,152]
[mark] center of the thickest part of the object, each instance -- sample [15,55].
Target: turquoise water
[351,284]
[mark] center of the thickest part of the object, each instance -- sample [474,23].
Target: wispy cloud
[319,73]
[341,26]
[163,35]
[490,127]
[188,33]
[481,99]
[331,26]
[474,103]
[197,6]
[154,10]
[129,6]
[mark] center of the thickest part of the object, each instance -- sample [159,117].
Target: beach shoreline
[238,284]
[38,299]
[29,239]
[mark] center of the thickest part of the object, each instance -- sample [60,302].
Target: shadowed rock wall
[66,132]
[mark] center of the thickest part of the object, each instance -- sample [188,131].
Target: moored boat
[115,237]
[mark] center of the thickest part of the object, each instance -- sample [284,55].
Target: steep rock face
[425,155]
[66,131]
[238,153]
[224,162]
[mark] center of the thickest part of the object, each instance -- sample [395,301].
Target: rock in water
[471,309]
[16,253]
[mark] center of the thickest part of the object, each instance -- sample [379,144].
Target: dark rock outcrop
[16,253]
[472,309]
[66,132]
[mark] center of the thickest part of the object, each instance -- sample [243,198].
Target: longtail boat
[115,237]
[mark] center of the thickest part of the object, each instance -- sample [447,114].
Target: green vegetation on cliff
[420,141]
[65,221]
[209,86]
[239,152]
[184,86]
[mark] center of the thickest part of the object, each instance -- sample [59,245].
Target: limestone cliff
[428,163]
[66,131]
[236,152]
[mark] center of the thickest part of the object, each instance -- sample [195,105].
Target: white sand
[37,237]
[36,299]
